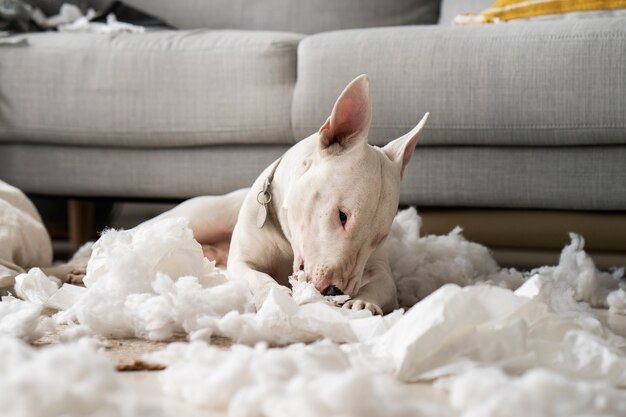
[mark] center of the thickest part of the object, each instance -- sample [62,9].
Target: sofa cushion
[175,173]
[302,16]
[569,178]
[556,84]
[562,178]
[162,88]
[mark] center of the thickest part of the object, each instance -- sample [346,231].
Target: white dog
[325,208]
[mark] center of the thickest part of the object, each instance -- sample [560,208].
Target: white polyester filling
[21,319]
[70,380]
[311,380]
[542,340]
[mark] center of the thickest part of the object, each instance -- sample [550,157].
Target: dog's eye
[343,218]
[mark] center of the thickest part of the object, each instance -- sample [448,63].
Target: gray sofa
[524,116]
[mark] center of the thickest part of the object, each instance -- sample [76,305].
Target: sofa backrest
[451,8]
[301,16]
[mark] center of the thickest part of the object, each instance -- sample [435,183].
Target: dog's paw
[76,275]
[76,271]
[356,304]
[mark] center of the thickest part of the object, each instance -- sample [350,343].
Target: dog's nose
[332,290]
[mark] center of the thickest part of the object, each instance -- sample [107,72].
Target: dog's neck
[293,164]
[264,198]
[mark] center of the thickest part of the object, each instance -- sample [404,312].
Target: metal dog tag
[261,216]
[263,198]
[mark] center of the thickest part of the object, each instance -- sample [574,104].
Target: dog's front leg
[378,292]
[258,282]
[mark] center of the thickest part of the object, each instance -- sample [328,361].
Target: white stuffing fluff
[538,350]
[21,319]
[539,393]
[70,380]
[420,265]
[75,332]
[153,282]
[577,271]
[311,380]
[617,301]
[281,321]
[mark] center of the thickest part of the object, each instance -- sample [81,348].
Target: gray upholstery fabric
[133,172]
[163,88]
[582,178]
[451,8]
[301,16]
[537,84]
[570,178]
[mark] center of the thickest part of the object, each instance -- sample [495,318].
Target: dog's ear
[401,149]
[350,120]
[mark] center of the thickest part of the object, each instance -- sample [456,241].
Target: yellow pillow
[503,10]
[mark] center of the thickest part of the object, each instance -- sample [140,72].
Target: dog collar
[264,197]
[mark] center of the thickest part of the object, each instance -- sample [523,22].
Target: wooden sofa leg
[81,226]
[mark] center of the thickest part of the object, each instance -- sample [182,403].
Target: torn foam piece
[65,297]
[68,380]
[37,287]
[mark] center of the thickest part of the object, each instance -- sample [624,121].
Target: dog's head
[348,194]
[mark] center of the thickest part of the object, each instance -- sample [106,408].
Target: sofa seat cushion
[525,84]
[567,178]
[158,173]
[157,89]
